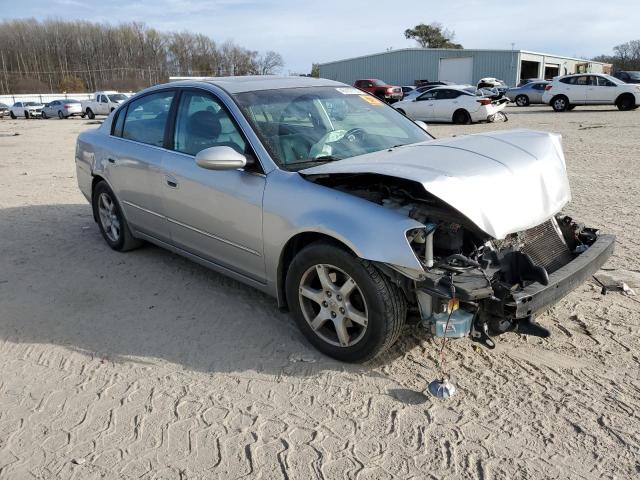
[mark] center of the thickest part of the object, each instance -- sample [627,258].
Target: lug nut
[328,294]
[325,304]
[333,314]
[341,310]
[339,297]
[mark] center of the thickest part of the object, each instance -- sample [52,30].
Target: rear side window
[146,118]
[569,80]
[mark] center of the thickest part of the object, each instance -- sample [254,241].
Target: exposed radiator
[546,247]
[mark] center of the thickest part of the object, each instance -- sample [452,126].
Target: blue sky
[324,30]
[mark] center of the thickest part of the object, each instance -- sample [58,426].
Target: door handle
[171,181]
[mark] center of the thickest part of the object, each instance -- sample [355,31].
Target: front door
[216,215]
[601,91]
[422,107]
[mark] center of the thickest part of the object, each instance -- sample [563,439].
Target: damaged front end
[472,283]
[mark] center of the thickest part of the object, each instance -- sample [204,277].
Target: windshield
[304,126]
[615,80]
[379,83]
[634,75]
[117,97]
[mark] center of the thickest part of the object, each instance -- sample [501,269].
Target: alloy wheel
[333,305]
[108,217]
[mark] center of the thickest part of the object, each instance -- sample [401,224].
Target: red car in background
[380,89]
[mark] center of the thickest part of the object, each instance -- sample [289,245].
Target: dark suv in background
[628,77]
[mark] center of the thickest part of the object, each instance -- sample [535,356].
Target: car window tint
[119,122]
[146,118]
[202,122]
[583,80]
[603,82]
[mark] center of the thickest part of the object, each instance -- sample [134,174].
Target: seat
[202,131]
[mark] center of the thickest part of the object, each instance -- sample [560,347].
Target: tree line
[626,56]
[78,56]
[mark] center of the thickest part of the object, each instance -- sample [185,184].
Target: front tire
[12,115]
[522,101]
[90,114]
[113,225]
[560,103]
[60,115]
[626,103]
[44,115]
[342,304]
[26,114]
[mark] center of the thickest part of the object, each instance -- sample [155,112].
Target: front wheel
[522,101]
[60,115]
[44,115]
[113,225]
[342,304]
[12,115]
[90,114]
[26,114]
[626,103]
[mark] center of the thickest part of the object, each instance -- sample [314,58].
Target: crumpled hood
[504,181]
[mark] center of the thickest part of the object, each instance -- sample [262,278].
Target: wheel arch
[293,246]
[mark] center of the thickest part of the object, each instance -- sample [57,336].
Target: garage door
[458,70]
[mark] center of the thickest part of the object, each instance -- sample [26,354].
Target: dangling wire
[445,339]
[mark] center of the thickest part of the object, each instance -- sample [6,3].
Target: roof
[263,82]
[469,50]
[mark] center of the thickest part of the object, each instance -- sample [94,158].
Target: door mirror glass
[220,158]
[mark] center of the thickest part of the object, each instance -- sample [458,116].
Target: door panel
[216,215]
[602,91]
[134,162]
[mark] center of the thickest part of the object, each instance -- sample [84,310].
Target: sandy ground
[144,365]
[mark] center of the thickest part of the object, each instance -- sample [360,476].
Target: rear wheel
[461,117]
[560,103]
[626,102]
[111,221]
[90,114]
[342,304]
[522,101]
[44,115]
[60,115]
[26,114]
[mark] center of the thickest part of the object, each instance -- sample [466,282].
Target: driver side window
[430,95]
[202,122]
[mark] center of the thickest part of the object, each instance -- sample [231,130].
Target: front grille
[545,246]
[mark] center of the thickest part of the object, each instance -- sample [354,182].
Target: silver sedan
[64,108]
[346,211]
[527,94]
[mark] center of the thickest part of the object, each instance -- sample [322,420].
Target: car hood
[504,182]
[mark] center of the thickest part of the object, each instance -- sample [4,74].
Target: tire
[401,111]
[114,228]
[26,114]
[379,305]
[522,101]
[90,114]
[560,103]
[44,115]
[626,103]
[60,115]
[461,117]
[12,115]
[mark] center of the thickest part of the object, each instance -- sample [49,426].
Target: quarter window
[203,122]
[146,118]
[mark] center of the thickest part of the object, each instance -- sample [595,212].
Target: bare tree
[62,55]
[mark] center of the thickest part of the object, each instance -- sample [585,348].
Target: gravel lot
[144,365]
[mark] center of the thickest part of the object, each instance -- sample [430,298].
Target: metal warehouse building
[409,65]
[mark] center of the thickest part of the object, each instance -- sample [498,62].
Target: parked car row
[103,103]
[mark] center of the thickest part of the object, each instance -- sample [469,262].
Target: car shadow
[61,284]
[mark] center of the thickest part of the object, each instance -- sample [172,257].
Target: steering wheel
[355,134]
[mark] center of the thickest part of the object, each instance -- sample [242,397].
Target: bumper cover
[536,297]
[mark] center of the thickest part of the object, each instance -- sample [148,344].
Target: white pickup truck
[102,103]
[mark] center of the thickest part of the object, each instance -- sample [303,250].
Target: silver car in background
[63,108]
[349,213]
[530,93]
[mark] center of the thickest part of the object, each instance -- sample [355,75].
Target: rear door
[536,91]
[578,89]
[216,215]
[134,161]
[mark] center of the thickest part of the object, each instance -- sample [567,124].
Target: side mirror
[422,125]
[220,158]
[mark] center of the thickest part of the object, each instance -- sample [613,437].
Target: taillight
[484,101]
[67,106]
[548,87]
